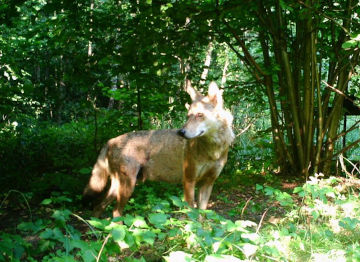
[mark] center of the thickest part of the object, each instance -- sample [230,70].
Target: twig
[326,16]
[83,220]
[102,247]
[343,167]
[261,220]
[245,129]
[346,131]
[347,148]
[354,166]
[243,209]
[16,191]
[341,151]
[340,93]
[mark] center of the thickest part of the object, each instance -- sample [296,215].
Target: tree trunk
[139,107]
[225,69]
[206,63]
[304,132]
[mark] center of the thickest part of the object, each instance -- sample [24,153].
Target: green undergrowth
[319,223]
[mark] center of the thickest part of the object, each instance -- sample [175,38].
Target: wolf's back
[99,177]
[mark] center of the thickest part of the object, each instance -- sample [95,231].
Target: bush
[33,150]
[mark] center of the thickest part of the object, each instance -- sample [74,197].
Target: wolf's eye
[199,115]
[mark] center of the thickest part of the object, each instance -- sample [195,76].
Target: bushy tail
[99,178]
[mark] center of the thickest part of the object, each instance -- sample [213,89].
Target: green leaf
[33,227]
[284,199]
[61,215]
[177,201]
[137,221]
[158,219]
[18,251]
[193,214]
[269,191]
[315,214]
[146,236]
[118,233]
[349,44]
[99,223]
[47,234]
[131,259]
[46,201]
[88,255]
[298,189]
[230,226]
[259,187]
[149,237]
[349,223]
[85,170]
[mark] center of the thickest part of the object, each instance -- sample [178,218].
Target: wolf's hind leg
[108,198]
[127,180]
[99,208]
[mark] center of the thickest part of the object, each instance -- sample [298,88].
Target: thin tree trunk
[278,136]
[334,120]
[114,87]
[225,69]
[206,63]
[139,107]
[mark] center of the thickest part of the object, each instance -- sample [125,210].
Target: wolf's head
[206,114]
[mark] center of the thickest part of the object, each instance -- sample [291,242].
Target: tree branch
[247,54]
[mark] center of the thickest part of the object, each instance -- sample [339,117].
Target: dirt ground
[244,203]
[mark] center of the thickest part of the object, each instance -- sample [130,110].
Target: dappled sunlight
[334,225]
[331,256]
[350,208]
[274,90]
[280,242]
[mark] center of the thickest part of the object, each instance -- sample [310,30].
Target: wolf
[192,155]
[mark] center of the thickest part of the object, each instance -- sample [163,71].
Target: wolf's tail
[99,178]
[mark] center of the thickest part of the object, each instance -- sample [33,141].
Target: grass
[317,221]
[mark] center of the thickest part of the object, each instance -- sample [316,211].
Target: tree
[295,50]
[60,60]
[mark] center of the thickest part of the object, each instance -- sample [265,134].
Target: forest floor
[59,222]
[244,202]
[231,200]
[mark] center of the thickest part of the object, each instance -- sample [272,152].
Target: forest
[76,73]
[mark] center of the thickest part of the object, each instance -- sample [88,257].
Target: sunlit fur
[195,154]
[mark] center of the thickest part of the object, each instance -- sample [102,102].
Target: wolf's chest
[206,168]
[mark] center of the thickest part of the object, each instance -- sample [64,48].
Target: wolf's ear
[215,95]
[194,94]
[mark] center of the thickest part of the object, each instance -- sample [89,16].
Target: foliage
[57,239]
[320,216]
[35,150]
[63,61]
[75,73]
[320,223]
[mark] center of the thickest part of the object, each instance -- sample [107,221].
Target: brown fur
[193,155]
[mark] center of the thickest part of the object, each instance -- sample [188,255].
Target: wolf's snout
[181,132]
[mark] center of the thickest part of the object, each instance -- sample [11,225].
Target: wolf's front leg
[204,195]
[205,187]
[189,191]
